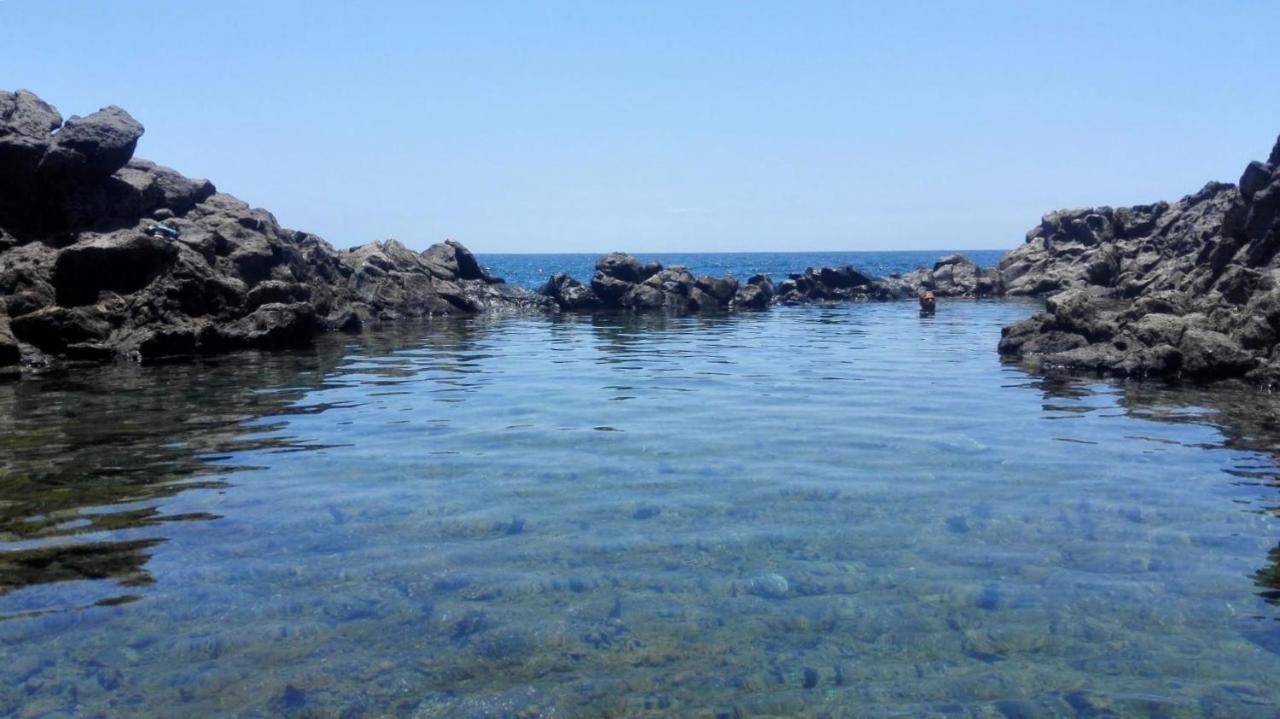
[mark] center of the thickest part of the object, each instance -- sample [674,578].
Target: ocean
[533,270]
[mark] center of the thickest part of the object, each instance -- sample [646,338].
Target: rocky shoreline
[84,276]
[1169,290]
[105,257]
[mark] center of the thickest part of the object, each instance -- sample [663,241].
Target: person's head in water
[927,301]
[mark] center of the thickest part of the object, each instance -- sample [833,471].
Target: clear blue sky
[664,126]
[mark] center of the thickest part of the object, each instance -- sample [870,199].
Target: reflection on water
[846,511]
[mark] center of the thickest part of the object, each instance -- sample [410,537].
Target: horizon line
[741,252]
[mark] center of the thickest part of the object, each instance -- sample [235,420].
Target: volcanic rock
[83,277]
[1182,289]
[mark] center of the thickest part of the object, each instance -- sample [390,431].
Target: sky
[670,126]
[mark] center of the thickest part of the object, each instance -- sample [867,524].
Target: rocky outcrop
[83,275]
[622,282]
[957,276]
[755,294]
[827,284]
[1182,289]
[570,294]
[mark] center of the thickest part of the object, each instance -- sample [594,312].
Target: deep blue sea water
[810,511]
[534,270]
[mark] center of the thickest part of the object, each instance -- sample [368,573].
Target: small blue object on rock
[162,230]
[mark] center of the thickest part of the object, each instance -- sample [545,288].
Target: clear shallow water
[846,511]
[534,270]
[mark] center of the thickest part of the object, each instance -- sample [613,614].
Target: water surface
[843,511]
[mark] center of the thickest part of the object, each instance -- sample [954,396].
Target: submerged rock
[769,586]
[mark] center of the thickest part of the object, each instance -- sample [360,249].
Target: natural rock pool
[844,511]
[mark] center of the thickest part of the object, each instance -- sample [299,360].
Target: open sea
[534,270]
[844,511]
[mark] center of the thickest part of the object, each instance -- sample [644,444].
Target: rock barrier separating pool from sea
[622,282]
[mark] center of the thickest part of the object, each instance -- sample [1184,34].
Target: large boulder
[91,147]
[54,329]
[25,278]
[271,325]
[721,289]
[122,262]
[624,267]
[669,289]
[390,281]
[570,294]
[1256,176]
[621,281]
[755,294]
[26,122]
[829,284]
[142,187]
[1208,354]
[958,276]
[449,260]
[610,290]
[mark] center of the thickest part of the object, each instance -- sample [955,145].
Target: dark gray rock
[145,188]
[756,294]
[53,329]
[830,284]
[951,276]
[26,122]
[624,267]
[1210,354]
[1257,175]
[10,351]
[570,294]
[650,269]
[450,260]
[271,325]
[82,278]
[610,290]
[122,262]
[1182,289]
[91,147]
[622,282]
[842,277]
[721,289]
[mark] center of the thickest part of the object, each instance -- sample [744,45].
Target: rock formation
[83,277]
[1173,290]
[622,282]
